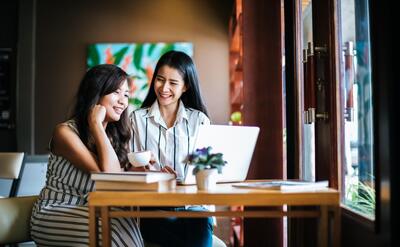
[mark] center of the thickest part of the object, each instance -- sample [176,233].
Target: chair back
[10,165]
[15,217]
[10,168]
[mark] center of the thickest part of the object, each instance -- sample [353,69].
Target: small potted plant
[207,165]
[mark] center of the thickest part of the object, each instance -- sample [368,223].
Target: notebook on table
[285,185]
[236,143]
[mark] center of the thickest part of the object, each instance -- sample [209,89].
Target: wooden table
[325,205]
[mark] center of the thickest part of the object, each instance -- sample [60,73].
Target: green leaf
[166,48]
[93,56]
[120,54]
[137,56]
[361,197]
[151,49]
[144,87]
[143,70]
[202,158]
[135,102]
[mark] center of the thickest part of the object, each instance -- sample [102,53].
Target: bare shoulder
[64,137]
[68,144]
[62,130]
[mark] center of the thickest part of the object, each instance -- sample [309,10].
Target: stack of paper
[283,185]
[156,181]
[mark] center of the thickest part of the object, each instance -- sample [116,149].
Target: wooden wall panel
[263,105]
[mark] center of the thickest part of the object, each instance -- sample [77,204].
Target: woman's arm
[68,144]
[107,158]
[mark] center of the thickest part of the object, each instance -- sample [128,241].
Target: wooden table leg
[92,227]
[323,227]
[336,234]
[105,227]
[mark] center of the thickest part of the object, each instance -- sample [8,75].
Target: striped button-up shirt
[170,146]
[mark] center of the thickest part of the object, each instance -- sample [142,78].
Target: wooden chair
[11,165]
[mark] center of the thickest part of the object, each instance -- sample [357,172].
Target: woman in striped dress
[96,138]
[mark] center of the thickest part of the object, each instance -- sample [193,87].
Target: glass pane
[308,171]
[359,186]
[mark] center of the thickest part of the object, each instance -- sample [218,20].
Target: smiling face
[115,102]
[169,86]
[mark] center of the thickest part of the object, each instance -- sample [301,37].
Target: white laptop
[236,143]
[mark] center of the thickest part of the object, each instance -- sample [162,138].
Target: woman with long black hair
[95,139]
[167,124]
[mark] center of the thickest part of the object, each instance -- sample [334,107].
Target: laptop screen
[236,143]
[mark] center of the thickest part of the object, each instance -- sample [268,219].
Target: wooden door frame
[328,147]
[294,89]
[263,105]
[329,141]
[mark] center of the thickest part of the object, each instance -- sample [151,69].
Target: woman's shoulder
[139,112]
[196,114]
[67,126]
[138,116]
[62,132]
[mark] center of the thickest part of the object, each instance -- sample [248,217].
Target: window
[338,115]
[358,173]
[308,171]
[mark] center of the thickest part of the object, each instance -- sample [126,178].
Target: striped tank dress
[60,217]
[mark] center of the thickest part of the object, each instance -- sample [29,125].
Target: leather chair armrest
[15,217]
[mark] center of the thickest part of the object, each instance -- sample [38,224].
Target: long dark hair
[184,64]
[99,81]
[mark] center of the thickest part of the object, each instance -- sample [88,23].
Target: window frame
[330,134]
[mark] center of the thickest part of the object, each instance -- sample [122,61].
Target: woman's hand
[150,167]
[96,116]
[146,168]
[152,159]
[168,169]
[106,156]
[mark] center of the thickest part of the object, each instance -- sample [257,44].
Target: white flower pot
[206,179]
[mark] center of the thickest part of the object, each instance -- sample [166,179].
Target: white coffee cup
[139,159]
